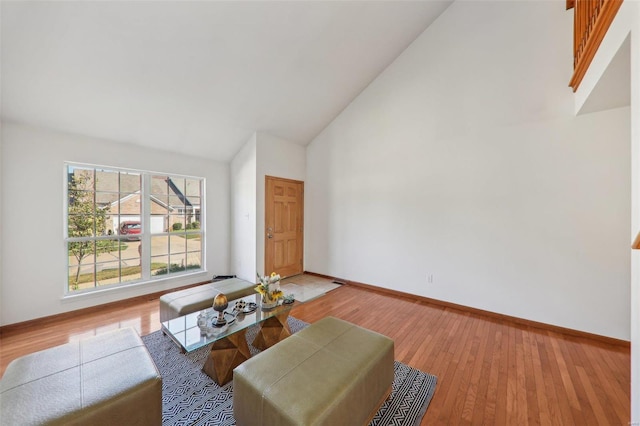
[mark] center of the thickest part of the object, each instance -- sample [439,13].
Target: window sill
[151,286]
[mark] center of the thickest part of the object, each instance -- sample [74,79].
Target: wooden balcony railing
[591,20]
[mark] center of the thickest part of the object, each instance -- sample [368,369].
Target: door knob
[269,236]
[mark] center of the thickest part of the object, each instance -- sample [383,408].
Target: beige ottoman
[183,302]
[109,379]
[331,373]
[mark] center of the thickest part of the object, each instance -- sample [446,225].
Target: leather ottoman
[183,302]
[331,373]
[106,379]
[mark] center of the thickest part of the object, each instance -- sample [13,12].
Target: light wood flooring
[490,371]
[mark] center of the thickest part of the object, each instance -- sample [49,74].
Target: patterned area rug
[190,397]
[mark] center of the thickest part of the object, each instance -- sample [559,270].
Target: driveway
[131,256]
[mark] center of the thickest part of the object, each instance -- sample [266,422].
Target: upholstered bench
[183,302]
[330,373]
[108,379]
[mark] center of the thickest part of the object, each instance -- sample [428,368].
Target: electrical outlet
[430,278]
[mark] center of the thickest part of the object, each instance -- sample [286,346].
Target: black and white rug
[190,397]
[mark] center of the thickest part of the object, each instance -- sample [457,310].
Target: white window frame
[145,236]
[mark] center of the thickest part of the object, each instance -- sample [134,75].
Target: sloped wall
[462,174]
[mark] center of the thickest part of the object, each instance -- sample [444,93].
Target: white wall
[464,161]
[243,211]
[280,158]
[263,155]
[34,264]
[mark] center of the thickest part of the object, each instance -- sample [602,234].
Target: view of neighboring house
[119,194]
[163,216]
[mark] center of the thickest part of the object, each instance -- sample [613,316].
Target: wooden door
[284,213]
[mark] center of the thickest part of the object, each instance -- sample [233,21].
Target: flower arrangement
[269,287]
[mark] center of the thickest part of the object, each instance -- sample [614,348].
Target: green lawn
[180,233]
[107,274]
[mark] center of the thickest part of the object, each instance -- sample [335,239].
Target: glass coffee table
[229,344]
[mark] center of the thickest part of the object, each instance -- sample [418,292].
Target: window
[125,226]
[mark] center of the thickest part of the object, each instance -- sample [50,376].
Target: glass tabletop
[189,336]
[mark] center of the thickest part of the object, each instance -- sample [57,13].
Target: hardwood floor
[490,372]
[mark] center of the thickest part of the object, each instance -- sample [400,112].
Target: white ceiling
[197,77]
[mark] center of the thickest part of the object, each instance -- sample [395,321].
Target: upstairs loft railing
[591,20]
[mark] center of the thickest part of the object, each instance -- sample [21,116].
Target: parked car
[131,228]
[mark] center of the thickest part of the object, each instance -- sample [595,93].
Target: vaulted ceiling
[197,77]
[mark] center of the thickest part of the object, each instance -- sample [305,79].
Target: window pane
[194,260]
[194,225]
[176,185]
[129,205]
[178,244]
[86,278]
[159,255]
[159,185]
[78,226]
[80,204]
[159,265]
[130,273]
[111,224]
[79,178]
[177,256]
[130,252]
[107,181]
[194,251]
[103,202]
[130,182]
[81,264]
[176,203]
[195,202]
[192,188]
[159,245]
[177,222]
[159,223]
[159,205]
